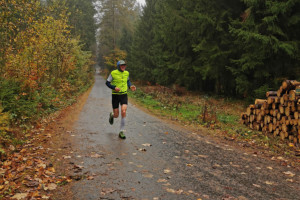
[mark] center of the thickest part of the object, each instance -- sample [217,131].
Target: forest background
[237,48]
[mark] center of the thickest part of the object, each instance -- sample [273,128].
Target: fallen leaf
[35,194]
[11,147]
[7,163]
[269,183]
[289,173]
[189,165]
[270,168]
[42,165]
[216,165]
[107,190]
[233,165]
[52,186]
[32,184]
[162,181]
[51,169]
[66,157]
[148,175]
[2,171]
[171,190]
[90,178]
[291,145]
[23,150]
[273,158]
[96,156]
[142,149]
[147,145]
[20,196]
[78,166]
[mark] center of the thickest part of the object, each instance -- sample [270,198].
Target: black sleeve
[110,85]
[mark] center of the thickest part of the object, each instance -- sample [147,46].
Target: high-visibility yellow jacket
[119,79]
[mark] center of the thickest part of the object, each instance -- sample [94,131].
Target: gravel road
[159,160]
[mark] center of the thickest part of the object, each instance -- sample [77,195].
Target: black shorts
[119,99]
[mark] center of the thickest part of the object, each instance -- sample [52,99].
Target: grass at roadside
[218,114]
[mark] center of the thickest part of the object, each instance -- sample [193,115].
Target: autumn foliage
[42,64]
[114,57]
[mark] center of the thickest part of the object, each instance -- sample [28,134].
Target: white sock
[122,124]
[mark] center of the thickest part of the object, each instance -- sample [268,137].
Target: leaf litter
[27,172]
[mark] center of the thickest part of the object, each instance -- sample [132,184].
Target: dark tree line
[235,47]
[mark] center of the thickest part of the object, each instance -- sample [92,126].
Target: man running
[119,82]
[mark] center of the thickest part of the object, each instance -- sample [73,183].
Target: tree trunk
[290,84]
[271,93]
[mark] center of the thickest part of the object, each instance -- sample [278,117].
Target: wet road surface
[161,161]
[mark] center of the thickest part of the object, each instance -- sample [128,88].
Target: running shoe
[111,118]
[121,135]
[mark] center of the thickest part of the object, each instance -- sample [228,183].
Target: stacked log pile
[278,114]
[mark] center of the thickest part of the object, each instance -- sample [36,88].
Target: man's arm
[108,83]
[129,84]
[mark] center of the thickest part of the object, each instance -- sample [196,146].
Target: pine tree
[268,39]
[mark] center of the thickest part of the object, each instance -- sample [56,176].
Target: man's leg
[116,112]
[123,115]
[115,105]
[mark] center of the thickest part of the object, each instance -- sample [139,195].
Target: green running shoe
[121,135]
[111,118]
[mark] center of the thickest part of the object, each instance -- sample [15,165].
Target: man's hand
[133,88]
[117,89]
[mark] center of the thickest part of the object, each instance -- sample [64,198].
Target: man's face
[122,67]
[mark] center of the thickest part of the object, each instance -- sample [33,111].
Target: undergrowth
[21,110]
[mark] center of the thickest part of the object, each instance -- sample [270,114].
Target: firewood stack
[278,114]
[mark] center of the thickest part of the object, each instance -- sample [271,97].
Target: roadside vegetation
[43,65]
